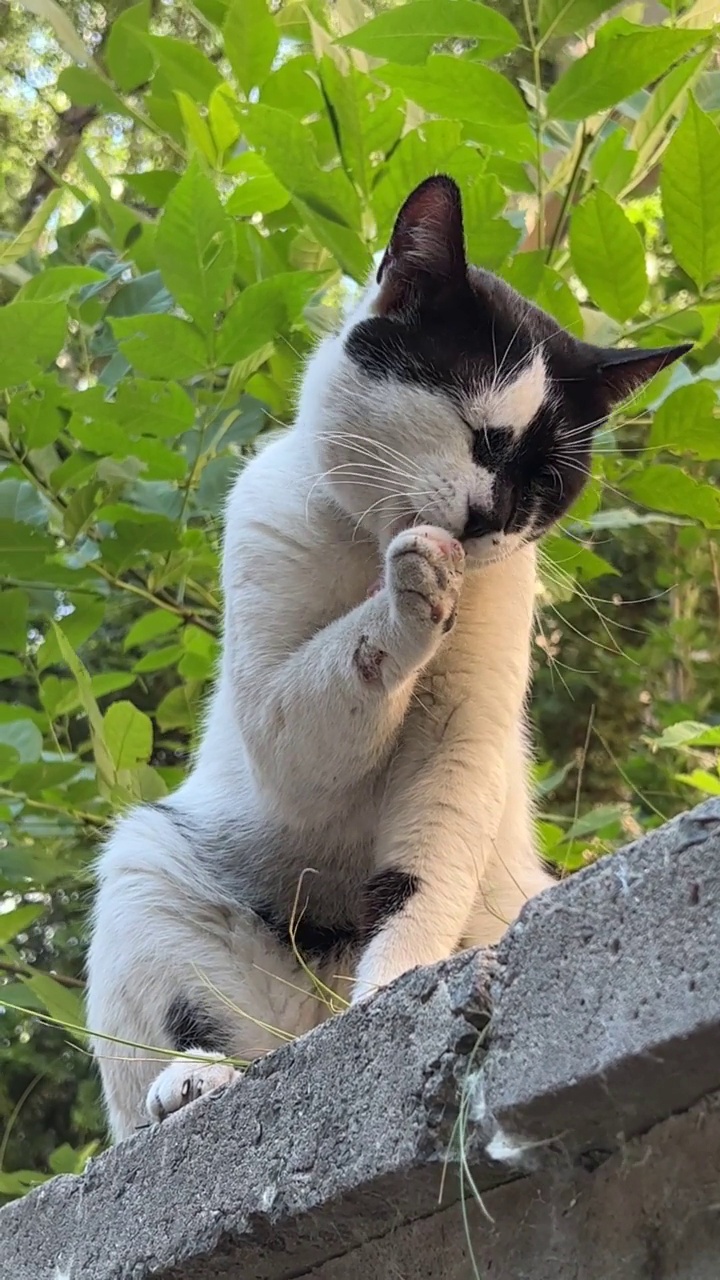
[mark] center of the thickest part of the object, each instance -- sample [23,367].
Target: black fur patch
[385,894]
[311,939]
[190,1027]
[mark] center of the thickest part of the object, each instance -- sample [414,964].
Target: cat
[360,795]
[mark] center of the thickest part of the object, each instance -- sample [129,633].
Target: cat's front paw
[424,573]
[184,1081]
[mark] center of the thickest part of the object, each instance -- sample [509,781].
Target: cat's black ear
[623,370]
[427,247]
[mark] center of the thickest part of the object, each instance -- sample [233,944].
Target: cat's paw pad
[184,1081]
[424,573]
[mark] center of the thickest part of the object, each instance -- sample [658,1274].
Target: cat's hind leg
[174,969]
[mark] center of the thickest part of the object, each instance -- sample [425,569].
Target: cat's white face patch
[514,402]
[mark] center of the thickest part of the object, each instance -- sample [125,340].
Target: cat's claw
[183,1082]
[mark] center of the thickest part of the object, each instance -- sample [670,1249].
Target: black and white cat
[364,765]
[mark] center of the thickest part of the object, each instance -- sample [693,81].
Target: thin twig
[27,971]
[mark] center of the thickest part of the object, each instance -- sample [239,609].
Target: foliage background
[188,193]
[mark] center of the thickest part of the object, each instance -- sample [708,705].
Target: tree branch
[26,971]
[72,123]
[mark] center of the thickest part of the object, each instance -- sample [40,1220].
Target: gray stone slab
[651,1212]
[340,1151]
[607,1011]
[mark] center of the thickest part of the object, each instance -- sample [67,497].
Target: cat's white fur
[347,733]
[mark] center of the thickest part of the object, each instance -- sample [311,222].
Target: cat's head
[447,399]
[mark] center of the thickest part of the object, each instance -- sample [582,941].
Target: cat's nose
[478,523]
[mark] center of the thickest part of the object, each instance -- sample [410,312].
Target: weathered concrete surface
[607,1017]
[652,1212]
[327,1159]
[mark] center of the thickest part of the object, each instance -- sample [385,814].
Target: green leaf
[23,549]
[24,241]
[344,92]
[684,733]
[489,238]
[260,192]
[61,1003]
[20,1181]
[34,413]
[608,255]
[595,821]
[177,709]
[261,312]
[407,34]
[446,86]
[159,659]
[701,780]
[669,488]
[145,295]
[195,246]
[197,129]
[161,346]
[10,668]
[690,185]
[128,733]
[13,620]
[290,153]
[77,627]
[152,625]
[666,101]
[14,922]
[65,1159]
[24,737]
[688,422]
[225,125]
[87,89]
[155,186]
[251,40]
[615,68]
[128,58]
[568,17]
[146,408]
[101,751]
[20,500]
[187,68]
[31,335]
[573,558]
[57,284]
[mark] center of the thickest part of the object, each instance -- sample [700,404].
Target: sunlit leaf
[615,68]
[688,421]
[568,17]
[195,246]
[31,335]
[260,312]
[608,255]
[669,488]
[691,195]
[161,346]
[446,86]
[408,33]
[128,733]
[251,39]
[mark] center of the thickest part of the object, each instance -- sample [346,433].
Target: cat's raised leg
[321,719]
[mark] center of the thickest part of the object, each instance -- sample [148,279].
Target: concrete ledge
[329,1158]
